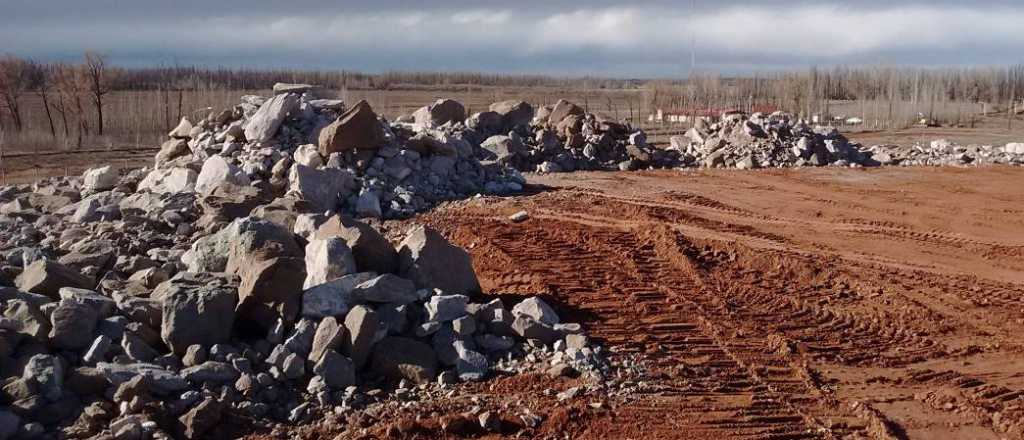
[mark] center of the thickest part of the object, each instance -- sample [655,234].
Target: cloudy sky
[601,37]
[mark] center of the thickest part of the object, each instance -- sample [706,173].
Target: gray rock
[537,309]
[373,252]
[301,340]
[169,180]
[337,371]
[293,367]
[513,114]
[430,261]
[137,349]
[386,288]
[160,380]
[327,259]
[198,421]
[210,372]
[46,277]
[203,315]
[529,328]
[100,179]
[330,335]
[439,113]
[194,355]
[402,358]
[362,325]
[443,308]
[103,305]
[471,365]
[322,188]
[217,171]
[332,298]
[72,325]
[368,205]
[47,372]
[264,124]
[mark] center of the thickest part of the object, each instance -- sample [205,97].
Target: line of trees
[66,90]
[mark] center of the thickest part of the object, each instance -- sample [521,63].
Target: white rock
[217,170]
[263,125]
[537,309]
[100,179]
[169,180]
[324,189]
[326,260]
[309,156]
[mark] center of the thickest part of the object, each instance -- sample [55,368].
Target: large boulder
[513,113]
[169,180]
[201,315]
[171,150]
[46,277]
[502,148]
[263,125]
[439,113]
[327,259]
[100,179]
[361,325]
[356,129]
[217,171]
[271,289]
[72,325]
[372,252]
[563,109]
[332,298]
[323,189]
[403,358]
[430,261]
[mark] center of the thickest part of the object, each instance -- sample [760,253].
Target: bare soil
[812,303]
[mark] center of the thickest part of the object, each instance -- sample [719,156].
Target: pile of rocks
[319,150]
[765,141]
[558,138]
[155,314]
[943,152]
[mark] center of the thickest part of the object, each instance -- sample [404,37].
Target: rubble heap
[333,156]
[942,152]
[135,307]
[765,141]
[558,138]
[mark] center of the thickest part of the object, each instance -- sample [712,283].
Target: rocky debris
[942,152]
[742,141]
[148,325]
[264,124]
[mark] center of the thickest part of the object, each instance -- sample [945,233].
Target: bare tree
[97,83]
[14,81]
[72,84]
[41,80]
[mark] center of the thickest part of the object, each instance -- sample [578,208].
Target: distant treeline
[45,104]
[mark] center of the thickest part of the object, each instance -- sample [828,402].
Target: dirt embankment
[820,303]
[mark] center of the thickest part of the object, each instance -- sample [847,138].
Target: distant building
[686,115]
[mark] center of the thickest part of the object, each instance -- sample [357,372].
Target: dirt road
[812,303]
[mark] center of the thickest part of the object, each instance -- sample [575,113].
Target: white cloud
[614,37]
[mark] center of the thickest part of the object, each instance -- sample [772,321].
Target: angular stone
[210,372]
[201,419]
[361,324]
[169,180]
[402,358]
[356,129]
[103,305]
[264,124]
[169,151]
[47,372]
[444,308]
[46,277]
[439,113]
[323,189]
[73,324]
[372,252]
[430,261]
[386,288]
[160,380]
[529,328]
[100,179]
[203,316]
[330,335]
[271,289]
[332,298]
[537,309]
[513,113]
[337,371]
[327,259]
[562,110]
[218,171]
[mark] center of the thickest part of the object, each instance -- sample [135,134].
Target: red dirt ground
[778,304]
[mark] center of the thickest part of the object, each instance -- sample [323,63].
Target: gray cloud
[650,39]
